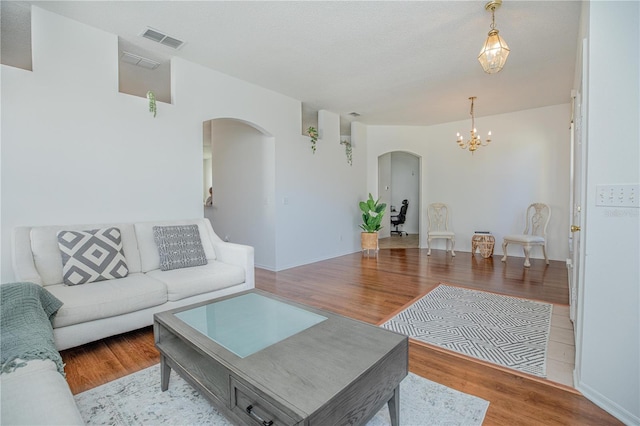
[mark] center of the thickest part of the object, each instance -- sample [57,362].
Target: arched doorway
[399,179]
[241,169]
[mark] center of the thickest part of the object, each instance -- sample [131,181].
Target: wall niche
[141,71]
[15,35]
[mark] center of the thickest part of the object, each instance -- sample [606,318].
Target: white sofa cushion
[188,282]
[105,299]
[47,257]
[149,255]
[37,394]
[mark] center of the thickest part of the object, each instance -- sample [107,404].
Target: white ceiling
[394,62]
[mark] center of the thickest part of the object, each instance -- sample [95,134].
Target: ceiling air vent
[160,37]
[134,59]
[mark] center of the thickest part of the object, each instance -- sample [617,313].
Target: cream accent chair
[535,233]
[438,215]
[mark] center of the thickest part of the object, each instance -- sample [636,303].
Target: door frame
[577,210]
[385,190]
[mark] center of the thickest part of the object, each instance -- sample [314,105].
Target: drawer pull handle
[257,417]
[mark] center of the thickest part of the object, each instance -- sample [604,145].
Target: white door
[575,208]
[577,178]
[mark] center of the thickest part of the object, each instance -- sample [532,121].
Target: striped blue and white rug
[503,330]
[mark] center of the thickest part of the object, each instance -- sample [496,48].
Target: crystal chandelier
[475,142]
[494,53]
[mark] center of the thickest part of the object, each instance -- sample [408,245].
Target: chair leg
[429,246]
[527,249]
[544,251]
[453,244]
[504,251]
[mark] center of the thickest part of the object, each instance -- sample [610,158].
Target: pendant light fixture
[494,53]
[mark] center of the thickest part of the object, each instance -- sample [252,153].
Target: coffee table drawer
[254,409]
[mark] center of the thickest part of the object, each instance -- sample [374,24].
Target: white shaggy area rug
[508,331]
[137,400]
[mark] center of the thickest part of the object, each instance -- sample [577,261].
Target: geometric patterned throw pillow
[89,256]
[179,246]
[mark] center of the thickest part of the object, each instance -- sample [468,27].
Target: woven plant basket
[369,240]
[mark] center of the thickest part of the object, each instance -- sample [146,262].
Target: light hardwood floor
[373,288]
[397,241]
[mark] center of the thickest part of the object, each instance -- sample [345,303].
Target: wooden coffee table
[263,360]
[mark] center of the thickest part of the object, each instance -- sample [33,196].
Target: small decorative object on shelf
[152,102]
[348,150]
[313,134]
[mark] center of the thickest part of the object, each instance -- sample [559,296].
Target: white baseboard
[607,405]
[316,259]
[268,268]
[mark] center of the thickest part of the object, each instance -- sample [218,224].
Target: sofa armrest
[24,268]
[239,255]
[37,394]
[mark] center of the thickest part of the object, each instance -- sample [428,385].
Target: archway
[399,178]
[242,176]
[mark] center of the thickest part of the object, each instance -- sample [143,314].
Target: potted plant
[372,213]
[348,150]
[152,103]
[313,134]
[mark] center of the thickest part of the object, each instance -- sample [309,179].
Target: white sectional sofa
[100,309]
[37,393]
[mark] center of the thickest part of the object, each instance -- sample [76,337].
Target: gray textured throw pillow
[179,246]
[90,256]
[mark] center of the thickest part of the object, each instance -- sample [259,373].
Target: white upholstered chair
[535,232]
[438,215]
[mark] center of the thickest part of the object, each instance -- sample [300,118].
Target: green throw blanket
[25,329]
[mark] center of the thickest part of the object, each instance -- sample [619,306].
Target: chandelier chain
[493,17]
[473,124]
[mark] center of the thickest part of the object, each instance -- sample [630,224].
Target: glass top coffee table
[263,360]
[248,323]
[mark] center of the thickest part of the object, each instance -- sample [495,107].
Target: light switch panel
[622,195]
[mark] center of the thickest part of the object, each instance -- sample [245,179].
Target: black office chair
[400,218]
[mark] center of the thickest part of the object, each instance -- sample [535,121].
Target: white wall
[243,170]
[527,161]
[609,331]
[75,150]
[317,195]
